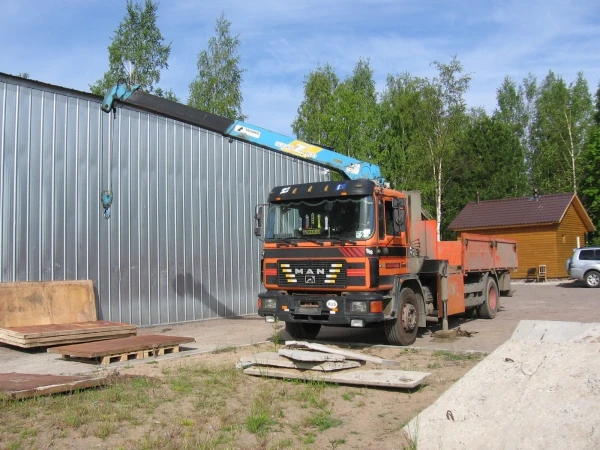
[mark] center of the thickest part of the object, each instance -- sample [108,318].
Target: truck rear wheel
[302,330]
[403,329]
[489,307]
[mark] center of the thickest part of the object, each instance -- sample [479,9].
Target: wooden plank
[75,336]
[46,302]
[275,360]
[63,329]
[23,385]
[303,355]
[65,340]
[121,345]
[381,378]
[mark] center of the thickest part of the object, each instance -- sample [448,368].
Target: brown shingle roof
[513,212]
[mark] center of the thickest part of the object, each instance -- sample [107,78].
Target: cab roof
[322,189]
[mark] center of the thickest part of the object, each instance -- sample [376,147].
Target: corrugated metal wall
[179,244]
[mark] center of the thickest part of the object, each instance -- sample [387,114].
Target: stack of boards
[44,314]
[316,362]
[65,333]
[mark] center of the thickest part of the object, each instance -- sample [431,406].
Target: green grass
[260,419]
[323,420]
[227,349]
[457,356]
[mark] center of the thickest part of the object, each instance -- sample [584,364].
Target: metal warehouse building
[178,245]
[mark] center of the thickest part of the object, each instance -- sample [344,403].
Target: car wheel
[592,279]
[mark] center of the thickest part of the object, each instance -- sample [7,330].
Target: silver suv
[585,265]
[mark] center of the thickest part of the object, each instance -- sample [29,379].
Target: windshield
[339,217]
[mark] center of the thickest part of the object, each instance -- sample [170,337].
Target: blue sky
[64,42]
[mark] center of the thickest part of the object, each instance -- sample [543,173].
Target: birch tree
[137,52]
[561,127]
[217,86]
[442,119]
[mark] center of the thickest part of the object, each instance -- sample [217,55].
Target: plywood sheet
[122,345]
[24,385]
[64,329]
[46,302]
[60,334]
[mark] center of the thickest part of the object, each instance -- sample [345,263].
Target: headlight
[359,307]
[269,303]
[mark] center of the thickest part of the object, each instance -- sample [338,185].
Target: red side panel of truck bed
[482,253]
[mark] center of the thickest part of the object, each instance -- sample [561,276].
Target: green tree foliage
[137,52]
[356,119]
[343,116]
[490,160]
[597,111]
[560,129]
[168,94]
[401,158]
[314,121]
[24,75]
[442,121]
[590,184]
[217,86]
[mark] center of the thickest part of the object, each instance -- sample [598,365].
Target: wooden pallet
[65,333]
[15,386]
[123,349]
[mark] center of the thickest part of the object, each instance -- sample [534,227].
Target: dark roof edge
[512,199]
[178,111]
[139,100]
[11,79]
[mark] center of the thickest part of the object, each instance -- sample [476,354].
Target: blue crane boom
[350,168]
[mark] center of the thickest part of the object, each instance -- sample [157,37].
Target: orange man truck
[354,253]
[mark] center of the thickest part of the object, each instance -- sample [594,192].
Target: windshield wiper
[310,240]
[285,241]
[343,241]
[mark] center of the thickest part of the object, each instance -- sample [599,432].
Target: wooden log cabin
[546,227]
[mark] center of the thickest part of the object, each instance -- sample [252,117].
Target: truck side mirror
[258,215]
[399,215]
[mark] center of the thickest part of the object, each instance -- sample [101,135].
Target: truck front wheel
[489,307]
[403,329]
[302,330]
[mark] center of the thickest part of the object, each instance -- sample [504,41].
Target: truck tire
[403,329]
[302,330]
[489,307]
[592,279]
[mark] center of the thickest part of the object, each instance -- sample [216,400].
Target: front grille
[319,273]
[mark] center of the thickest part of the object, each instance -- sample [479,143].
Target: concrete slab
[524,395]
[401,379]
[275,360]
[550,330]
[337,351]
[303,355]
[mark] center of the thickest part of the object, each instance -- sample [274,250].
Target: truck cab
[355,253]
